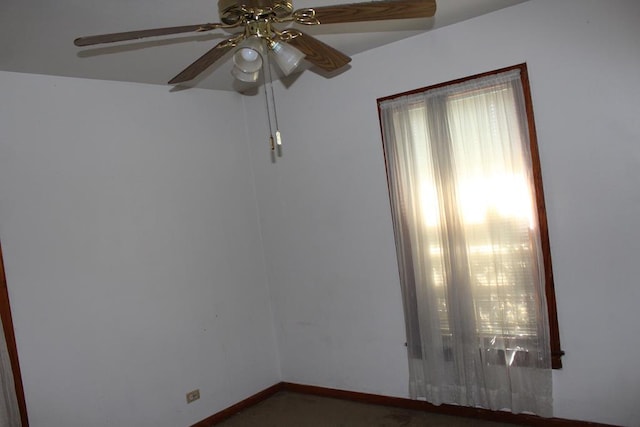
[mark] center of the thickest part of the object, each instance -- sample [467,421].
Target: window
[472,242]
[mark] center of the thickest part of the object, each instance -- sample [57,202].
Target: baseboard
[242,405]
[420,405]
[399,402]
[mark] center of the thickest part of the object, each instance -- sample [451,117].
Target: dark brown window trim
[7,324]
[554,331]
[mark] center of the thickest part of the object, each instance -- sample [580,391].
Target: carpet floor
[287,409]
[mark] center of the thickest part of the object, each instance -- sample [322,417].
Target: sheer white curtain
[9,412]
[468,244]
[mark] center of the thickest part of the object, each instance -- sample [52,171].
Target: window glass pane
[495,199]
[495,203]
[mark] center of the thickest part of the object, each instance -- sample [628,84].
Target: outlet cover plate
[193,395]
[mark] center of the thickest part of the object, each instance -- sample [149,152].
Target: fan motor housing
[232,11]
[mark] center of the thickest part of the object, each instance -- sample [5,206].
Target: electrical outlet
[193,395]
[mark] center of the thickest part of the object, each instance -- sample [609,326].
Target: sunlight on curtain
[9,412]
[471,267]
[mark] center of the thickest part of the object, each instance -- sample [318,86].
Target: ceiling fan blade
[317,52]
[133,35]
[369,11]
[205,61]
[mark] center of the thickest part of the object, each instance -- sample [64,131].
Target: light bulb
[249,55]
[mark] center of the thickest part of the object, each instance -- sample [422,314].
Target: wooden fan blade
[369,11]
[204,62]
[133,35]
[319,53]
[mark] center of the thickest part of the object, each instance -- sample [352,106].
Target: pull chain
[278,138]
[266,98]
[273,102]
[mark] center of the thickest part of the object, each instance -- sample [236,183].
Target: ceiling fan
[259,36]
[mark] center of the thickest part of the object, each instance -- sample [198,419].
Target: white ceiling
[37,36]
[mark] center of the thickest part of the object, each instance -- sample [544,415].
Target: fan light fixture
[249,57]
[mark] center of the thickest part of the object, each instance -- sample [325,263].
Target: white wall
[325,212]
[132,250]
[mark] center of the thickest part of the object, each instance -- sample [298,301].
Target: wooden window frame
[10,338]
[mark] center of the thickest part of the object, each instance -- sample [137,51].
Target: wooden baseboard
[420,405]
[398,402]
[244,404]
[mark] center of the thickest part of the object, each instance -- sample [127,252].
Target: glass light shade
[248,56]
[249,77]
[287,57]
